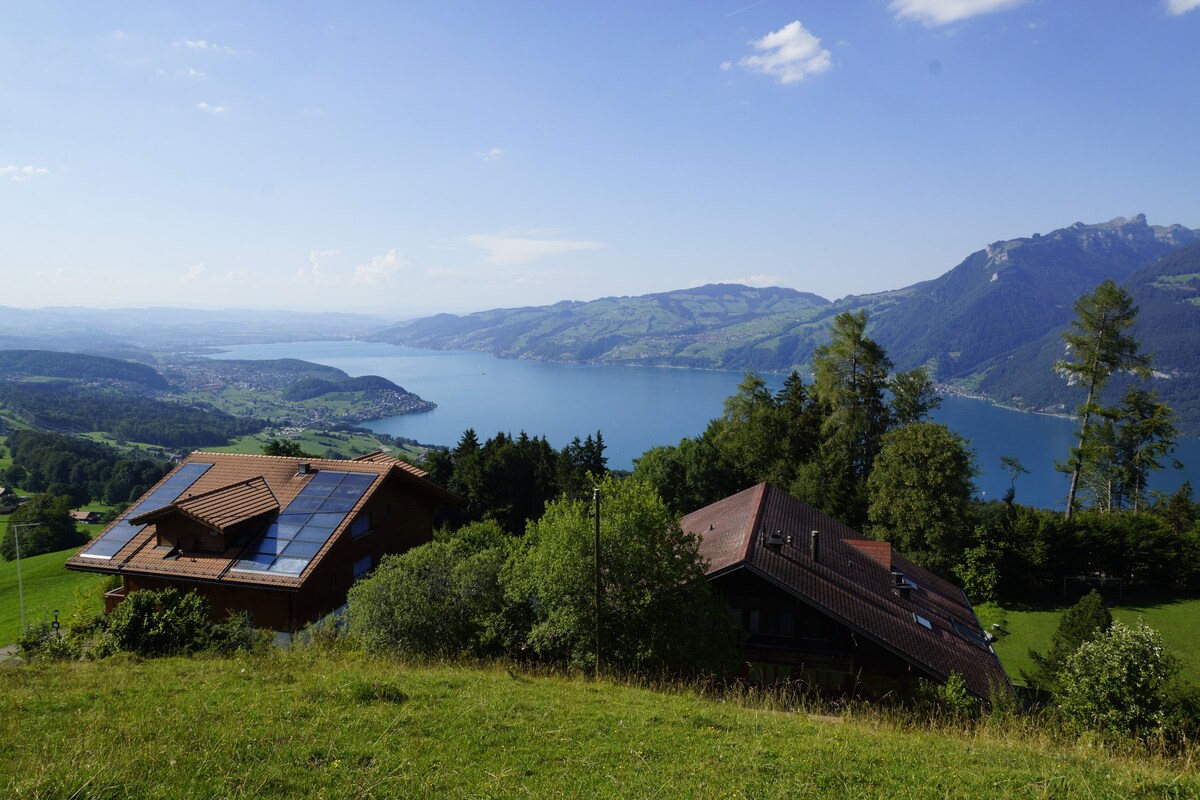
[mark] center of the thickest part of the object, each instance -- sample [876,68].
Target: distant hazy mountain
[130,333]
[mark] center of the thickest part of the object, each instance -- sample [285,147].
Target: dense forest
[68,407]
[79,367]
[78,468]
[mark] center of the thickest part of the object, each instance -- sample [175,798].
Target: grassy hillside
[297,725]
[48,585]
[1177,620]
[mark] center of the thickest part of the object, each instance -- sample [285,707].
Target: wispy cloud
[191,72]
[489,155]
[1177,7]
[932,13]
[378,270]
[15,173]
[311,112]
[203,46]
[193,273]
[215,110]
[502,249]
[789,54]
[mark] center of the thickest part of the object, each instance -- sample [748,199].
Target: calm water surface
[637,408]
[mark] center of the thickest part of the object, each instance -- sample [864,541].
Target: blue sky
[409,158]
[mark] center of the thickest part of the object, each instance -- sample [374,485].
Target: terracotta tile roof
[221,508]
[380,457]
[234,485]
[847,582]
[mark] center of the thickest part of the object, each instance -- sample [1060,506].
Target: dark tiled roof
[847,581]
[233,486]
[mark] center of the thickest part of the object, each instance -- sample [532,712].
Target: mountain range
[990,326]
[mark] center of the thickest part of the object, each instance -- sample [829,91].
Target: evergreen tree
[1100,344]
[851,374]
[1081,623]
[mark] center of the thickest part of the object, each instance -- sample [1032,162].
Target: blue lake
[637,408]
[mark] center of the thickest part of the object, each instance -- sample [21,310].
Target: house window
[361,525]
[362,566]
[924,623]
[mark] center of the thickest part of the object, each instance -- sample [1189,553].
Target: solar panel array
[291,541]
[116,537]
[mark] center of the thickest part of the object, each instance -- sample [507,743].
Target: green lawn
[318,442]
[299,725]
[48,585]
[1177,620]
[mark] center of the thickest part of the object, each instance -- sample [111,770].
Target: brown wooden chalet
[279,538]
[824,606]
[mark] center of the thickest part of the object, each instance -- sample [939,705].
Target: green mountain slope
[78,366]
[1012,293]
[714,326]
[1167,293]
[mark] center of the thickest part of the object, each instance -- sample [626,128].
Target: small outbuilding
[280,539]
[824,606]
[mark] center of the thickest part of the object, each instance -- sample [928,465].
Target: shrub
[1119,683]
[41,642]
[167,622]
[442,599]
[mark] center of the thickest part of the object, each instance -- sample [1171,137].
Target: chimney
[813,546]
[304,468]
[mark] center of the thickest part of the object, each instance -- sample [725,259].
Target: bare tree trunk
[1087,413]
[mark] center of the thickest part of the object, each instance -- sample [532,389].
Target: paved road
[9,652]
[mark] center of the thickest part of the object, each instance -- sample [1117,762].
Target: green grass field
[1177,620]
[318,442]
[300,725]
[48,585]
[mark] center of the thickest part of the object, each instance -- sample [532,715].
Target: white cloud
[315,271]
[202,46]
[726,66]
[311,112]
[15,173]
[327,268]
[789,54]
[190,72]
[489,155]
[194,272]
[1178,7]
[215,110]
[932,13]
[522,249]
[378,270]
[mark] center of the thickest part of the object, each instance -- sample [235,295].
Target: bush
[442,599]
[1119,683]
[161,623]
[41,642]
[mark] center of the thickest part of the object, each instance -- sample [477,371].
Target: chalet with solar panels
[823,606]
[278,538]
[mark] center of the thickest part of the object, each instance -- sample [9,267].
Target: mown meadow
[335,725]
